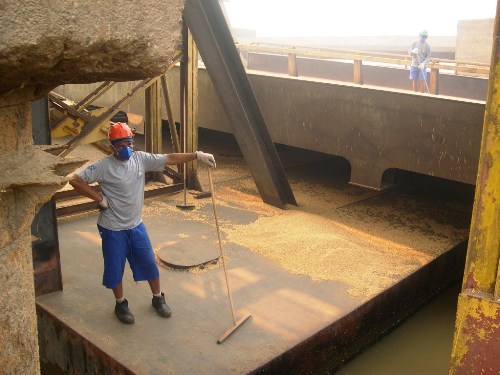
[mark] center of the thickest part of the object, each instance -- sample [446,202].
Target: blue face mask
[125,152]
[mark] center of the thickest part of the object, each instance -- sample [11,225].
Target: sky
[278,18]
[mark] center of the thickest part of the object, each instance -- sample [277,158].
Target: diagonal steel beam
[106,116]
[215,43]
[94,95]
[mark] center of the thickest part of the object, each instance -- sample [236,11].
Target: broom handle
[220,243]
[185,177]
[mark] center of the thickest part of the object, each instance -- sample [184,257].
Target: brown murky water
[420,346]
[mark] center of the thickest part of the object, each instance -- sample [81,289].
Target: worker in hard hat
[420,52]
[123,234]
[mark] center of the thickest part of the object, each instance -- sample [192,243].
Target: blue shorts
[416,73]
[132,245]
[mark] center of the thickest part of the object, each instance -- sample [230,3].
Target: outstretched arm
[180,158]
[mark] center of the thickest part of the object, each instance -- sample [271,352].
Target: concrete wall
[28,178]
[44,44]
[18,330]
[475,40]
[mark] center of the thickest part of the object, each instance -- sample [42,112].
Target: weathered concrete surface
[44,44]
[28,177]
[47,43]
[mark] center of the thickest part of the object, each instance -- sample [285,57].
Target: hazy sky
[355,17]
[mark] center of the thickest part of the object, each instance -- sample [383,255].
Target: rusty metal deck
[297,323]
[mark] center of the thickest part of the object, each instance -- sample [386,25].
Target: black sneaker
[161,307]
[123,313]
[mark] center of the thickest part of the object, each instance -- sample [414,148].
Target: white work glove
[421,66]
[205,158]
[103,204]
[415,51]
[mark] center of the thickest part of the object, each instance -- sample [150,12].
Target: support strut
[215,43]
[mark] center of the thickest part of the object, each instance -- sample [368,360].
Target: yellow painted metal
[484,240]
[292,65]
[192,94]
[191,106]
[62,131]
[153,119]
[72,127]
[476,344]
[170,114]
[358,72]
[153,126]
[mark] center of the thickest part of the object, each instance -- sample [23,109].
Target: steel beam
[170,115]
[215,43]
[45,242]
[94,95]
[152,127]
[94,123]
[189,103]
[476,345]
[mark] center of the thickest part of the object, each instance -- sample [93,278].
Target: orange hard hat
[120,131]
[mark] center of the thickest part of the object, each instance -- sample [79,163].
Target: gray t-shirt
[424,54]
[122,182]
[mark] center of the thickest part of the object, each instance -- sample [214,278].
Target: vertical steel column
[358,72]
[152,118]
[152,125]
[170,115]
[292,64]
[434,81]
[213,38]
[192,107]
[46,258]
[476,345]
[189,103]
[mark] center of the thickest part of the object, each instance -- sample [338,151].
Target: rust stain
[477,348]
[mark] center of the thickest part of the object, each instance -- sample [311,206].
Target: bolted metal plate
[188,252]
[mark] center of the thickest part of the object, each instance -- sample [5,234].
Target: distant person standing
[420,52]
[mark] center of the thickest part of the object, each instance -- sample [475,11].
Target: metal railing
[358,57]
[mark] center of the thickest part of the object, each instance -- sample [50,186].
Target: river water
[420,346]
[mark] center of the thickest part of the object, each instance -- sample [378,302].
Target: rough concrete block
[44,44]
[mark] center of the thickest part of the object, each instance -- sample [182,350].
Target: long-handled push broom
[236,324]
[424,73]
